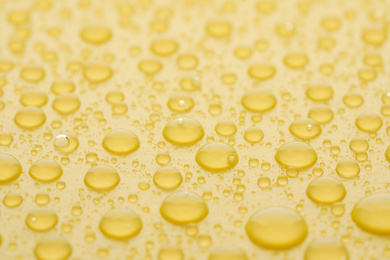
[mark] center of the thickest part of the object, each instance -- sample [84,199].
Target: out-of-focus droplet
[97,73]
[353,99]
[164,47]
[32,73]
[219,29]
[319,92]
[96,34]
[326,249]
[320,113]
[62,86]
[261,71]
[228,253]
[296,60]
[33,98]
[259,100]
[10,168]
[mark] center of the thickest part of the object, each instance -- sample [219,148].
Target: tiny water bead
[181,103]
[66,142]
[296,154]
[326,190]
[320,113]
[6,139]
[353,99]
[121,141]
[305,128]
[101,178]
[296,60]
[29,118]
[10,168]
[347,168]
[217,156]
[261,71]
[53,248]
[276,228]
[32,73]
[183,131]
[62,86]
[66,103]
[96,34]
[97,73]
[225,128]
[167,178]
[170,253]
[326,249]
[164,47]
[45,170]
[259,100]
[33,98]
[120,224]
[12,200]
[359,144]
[41,219]
[228,253]
[219,29]
[319,92]
[183,208]
[369,122]
[372,213]
[254,134]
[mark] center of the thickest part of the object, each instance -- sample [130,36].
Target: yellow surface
[212,89]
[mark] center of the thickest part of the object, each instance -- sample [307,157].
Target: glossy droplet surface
[121,141]
[359,144]
[258,100]
[369,122]
[32,73]
[97,73]
[254,134]
[305,128]
[33,98]
[62,86]
[180,103]
[164,47]
[225,128]
[45,170]
[326,249]
[353,99]
[10,168]
[6,139]
[296,154]
[228,253]
[102,178]
[261,71]
[322,114]
[30,118]
[66,142]
[296,60]
[12,199]
[372,213]
[326,190]
[184,207]
[217,156]
[96,34]
[66,103]
[120,224]
[183,131]
[319,92]
[347,168]
[41,219]
[171,253]
[167,178]
[276,228]
[53,248]
[150,67]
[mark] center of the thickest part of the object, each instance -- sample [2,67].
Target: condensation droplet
[369,122]
[50,248]
[183,131]
[96,34]
[45,170]
[326,190]
[167,178]
[120,224]
[296,154]
[217,156]
[121,141]
[41,219]
[305,128]
[30,117]
[259,100]
[347,168]
[10,168]
[326,249]
[102,178]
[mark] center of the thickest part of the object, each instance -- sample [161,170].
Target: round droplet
[184,207]
[226,128]
[319,92]
[347,168]
[6,139]
[102,178]
[369,122]
[228,253]
[53,248]
[45,170]
[96,34]
[150,67]
[305,128]
[167,178]
[374,36]
[10,168]
[259,100]
[322,114]
[180,103]
[66,103]
[353,99]
[219,29]
[30,117]
[33,98]
[359,144]
[120,224]
[41,219]
[97,73]
[254,134]
[331,23]
[164,47]
[32,73]
[171,253]
[183,131]
[276,228]
[296,154]
[187,61]
[121,141]
[66,142]
[217,156]
[326,190]
[296,60]
[62,86]
[261,71]
[114,96]
[12,200]
[326,249]
[372,213]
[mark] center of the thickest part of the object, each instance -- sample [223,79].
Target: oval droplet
[45,170]
[326,190]
[167,178]
[369,122]
[164,47]
[347,168]
[305,128]
[326,249]
[296,154]
[180,103]
[254,134]
[259,100]
[359,144]
[225,128]
[66,103]
[353,99]
[121,141]
[296,60]
[322,114]
[150,67]
[62,86]
[261,71]
[30,117]
[319,92]
[97,73]
[170,253]
[96,34]
[228,253]
[33,98]
[219,29]
[102,178]
[217,156]
[120,224]
[66,142]
[53,248]
[41,219]
[10,168]
[32,73]
[183,131]
[12,200]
